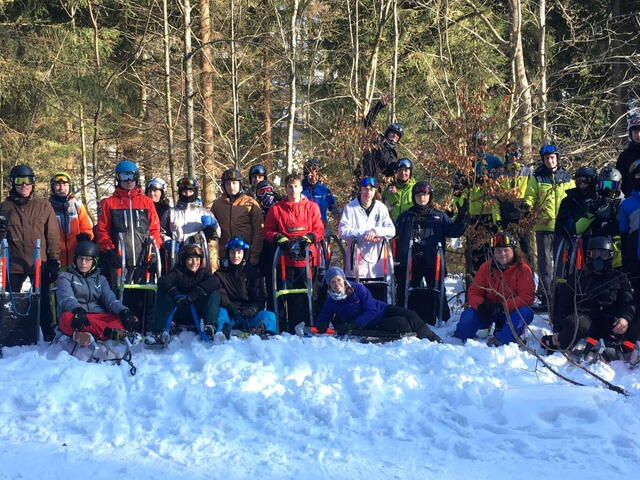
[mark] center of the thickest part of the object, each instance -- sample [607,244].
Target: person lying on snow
[350,306]
[595,302]
[188,283]
[86,303]
[242,297]
[503,279]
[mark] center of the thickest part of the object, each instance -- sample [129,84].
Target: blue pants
[263,317]
[470,323]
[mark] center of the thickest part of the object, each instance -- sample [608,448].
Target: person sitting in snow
[86,303]
[188,283]
[350,306]
[242,297]
[503,281]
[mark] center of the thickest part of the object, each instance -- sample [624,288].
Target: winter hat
[334,272]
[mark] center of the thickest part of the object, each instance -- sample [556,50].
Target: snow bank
[312,408]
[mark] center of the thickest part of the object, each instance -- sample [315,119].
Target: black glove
[129,320]
[487,310]
[79,319]
[114,258]
[322,327]
[281,240]
[345,328]
[53,269]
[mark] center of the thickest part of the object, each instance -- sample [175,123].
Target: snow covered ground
[314,409]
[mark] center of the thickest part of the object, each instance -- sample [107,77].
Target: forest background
[198,86]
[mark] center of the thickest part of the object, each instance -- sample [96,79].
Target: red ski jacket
[295,220]
[515,283]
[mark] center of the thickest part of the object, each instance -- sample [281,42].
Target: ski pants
[583,326]
[46,316]
[97,323]
[206,309]
[402,320]
[262,318]
[547,244]
[470,322]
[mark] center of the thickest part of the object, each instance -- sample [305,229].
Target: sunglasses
[368,182]
[502,241]
[187,183]
[608,185]
[127,177]
[23,181]
[599,253]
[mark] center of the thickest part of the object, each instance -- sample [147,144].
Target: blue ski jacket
[359,307]
[320,194]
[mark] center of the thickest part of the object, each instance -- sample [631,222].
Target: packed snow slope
[313,408]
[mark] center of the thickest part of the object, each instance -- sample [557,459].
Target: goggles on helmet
[194,251]
[187,184]
[127,176]
[608,185]
[404,164]
[600,253]
[23,181]
[264,190]
[423,189]
[61,179]
[502,240]
[368,182]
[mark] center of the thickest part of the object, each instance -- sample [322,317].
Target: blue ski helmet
[127,170]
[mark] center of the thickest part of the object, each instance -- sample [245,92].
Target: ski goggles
[608,185]
[368,182]
[261,192]
[600,253]
[61,179]
[127,176]
[502,240]
[403,164]
[193,251]
[23,181]
[188,184]
[423,189]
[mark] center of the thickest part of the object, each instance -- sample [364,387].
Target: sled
[382,288]
[205,333]
[20,312]
[356,335]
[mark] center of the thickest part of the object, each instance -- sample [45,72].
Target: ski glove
[281,239]
[128,319]
[208,221]
[487,310]
[308,239]
[79,319]
[53,269]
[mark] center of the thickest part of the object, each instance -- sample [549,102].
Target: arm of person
[386,228]
[65,298]
[85,225]
[103,228]
[315,222]
[271,227]
[52,233]
[366,301]
[479,287]
[373,112]
[154,224]
[257,236]
[453,228]
[625,306]
[347,228]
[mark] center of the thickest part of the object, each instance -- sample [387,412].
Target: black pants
[46,317]
[425,303]
[593,327]
[293,308]
[402,320]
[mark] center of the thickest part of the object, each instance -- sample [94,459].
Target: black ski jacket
[572,207]
[625,159]
[184,282]
[242,286]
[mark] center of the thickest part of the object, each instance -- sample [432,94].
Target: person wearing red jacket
[129,212]
[505,280]
[292,224]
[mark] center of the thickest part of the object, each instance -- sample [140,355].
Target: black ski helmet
[587,172]
[421,187]
[404,163]
[60,177]
[600,263]
[601,243]
[231,174]
[188,250]
[394,127]
[22,171]
[86,248]
[188,183]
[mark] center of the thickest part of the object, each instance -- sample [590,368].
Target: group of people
[218,263]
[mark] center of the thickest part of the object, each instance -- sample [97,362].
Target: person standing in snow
[317,191]
[156,190]
[87,304]
[397,196]
[350,306]
[505,280]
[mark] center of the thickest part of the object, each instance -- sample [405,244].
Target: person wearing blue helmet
[257,174]
[242,296]
[317,191]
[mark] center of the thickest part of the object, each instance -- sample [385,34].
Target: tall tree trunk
[84,174]
[543,69]
[620,104]
[206,86]
[234,88]
[188,89]
[372,64]
[293,48]
[354,77]
[266,111]
[394,74]
[98,113]
[522,82]
[168,121]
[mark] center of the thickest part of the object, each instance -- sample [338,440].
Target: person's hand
[392,189]
[385,99]
[487,310]
[79,319]
[52,269]
[281,239]
[128,319]
[620,326]
[308,239]
[370,236]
